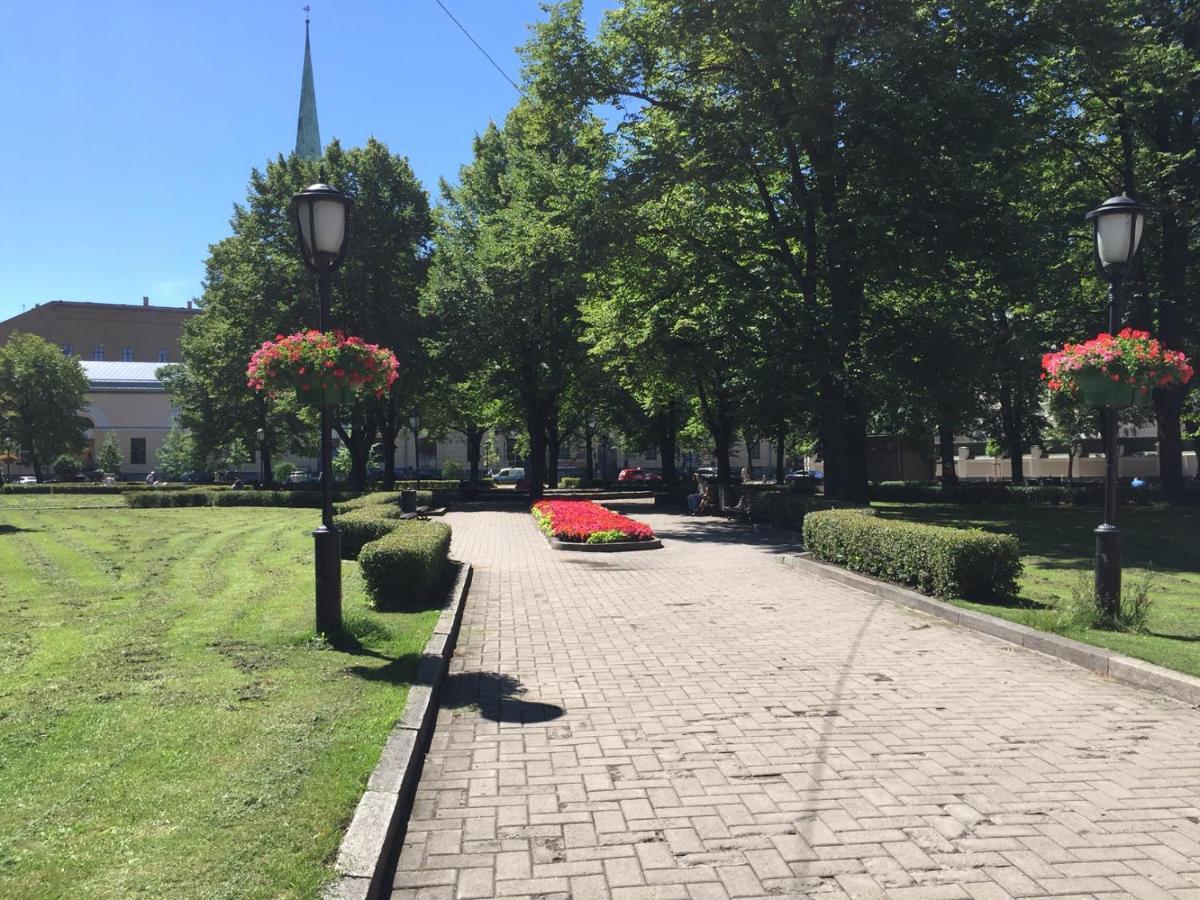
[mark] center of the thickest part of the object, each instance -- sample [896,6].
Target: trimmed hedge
[953,563]
[382,498]
[1088,493]
[155,499]
[121,487]
[361,526]
[402,569]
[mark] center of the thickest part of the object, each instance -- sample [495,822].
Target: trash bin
[408,501]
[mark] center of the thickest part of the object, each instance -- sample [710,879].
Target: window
[510,452]
[756,450]
[137,451]
[564,450]
[126,354]
[650,453]
[98,352]
[162,355]
[68,349]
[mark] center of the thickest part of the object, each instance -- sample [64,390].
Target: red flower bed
[585,522]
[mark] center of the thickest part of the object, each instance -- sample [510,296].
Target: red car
[638,475]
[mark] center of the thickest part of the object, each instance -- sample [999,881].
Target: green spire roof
[308,133]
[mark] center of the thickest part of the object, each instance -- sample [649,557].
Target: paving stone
[700,723]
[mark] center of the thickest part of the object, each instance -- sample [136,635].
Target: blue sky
[130,126]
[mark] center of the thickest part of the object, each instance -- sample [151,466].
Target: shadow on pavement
[497,697]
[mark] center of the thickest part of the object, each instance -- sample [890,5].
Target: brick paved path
[702,722]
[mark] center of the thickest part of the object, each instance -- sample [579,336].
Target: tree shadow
[1186,638]
[498,698]
[14,529]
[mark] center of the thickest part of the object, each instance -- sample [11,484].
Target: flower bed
[585,522]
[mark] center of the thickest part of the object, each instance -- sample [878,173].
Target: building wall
[79,328]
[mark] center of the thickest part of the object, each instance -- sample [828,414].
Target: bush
[452,470]
[365,524]
[570,482]
[282,471]
[424,498]
[165,499]
[953,563]
[66,466]
[1088,493]
[402,569]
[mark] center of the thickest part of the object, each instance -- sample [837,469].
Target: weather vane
[307,9]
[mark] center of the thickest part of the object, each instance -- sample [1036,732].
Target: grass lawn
[168,724]
[1057,547]
[61,501]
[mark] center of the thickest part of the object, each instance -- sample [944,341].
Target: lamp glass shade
[322,225]
[414,422]
[1113,233]
[260,434]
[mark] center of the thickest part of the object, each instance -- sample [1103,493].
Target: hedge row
[402,569]
[121,487]
[424,498]
[953,563]
[1084,494]
[165,499]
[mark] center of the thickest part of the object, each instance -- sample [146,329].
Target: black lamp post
[319,214]
[414,422]
[1117,230]
[261,434]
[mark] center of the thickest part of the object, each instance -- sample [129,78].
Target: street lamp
[1117,232]
[261,434]
[319,215]
[414,422]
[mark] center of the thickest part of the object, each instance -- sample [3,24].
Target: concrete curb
[365,857]
[619,547]
[1120,668]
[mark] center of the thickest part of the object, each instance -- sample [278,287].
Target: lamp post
[319,214]
[261,434]
[414,422]
[1117,232]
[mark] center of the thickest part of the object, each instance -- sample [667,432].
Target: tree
[42,398]
[110,458]
[256,287]
[516,239]
[178,454]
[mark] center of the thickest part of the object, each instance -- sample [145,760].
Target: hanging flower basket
[323,368]
[1116,371]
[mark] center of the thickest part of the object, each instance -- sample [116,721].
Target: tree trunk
[387,440]
[590,469]
[553,446]
[667,443]
[723,436]
[780,450]
[1010,421]
[36,461]
[535,475]
[949,454]
[358,442]
[1071,463]
[474,436]
[1168,406]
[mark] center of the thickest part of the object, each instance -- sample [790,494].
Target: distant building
[106,332]
[127,400]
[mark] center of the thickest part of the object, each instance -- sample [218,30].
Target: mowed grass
[61,501]
[168,725]
[1057,547]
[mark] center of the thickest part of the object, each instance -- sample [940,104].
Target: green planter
[326,396]
[1097,389]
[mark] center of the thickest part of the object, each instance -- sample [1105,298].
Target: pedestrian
[151,478]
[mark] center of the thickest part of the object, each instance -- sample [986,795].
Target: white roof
[122,374]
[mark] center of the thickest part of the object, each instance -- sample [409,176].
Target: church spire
[308,134]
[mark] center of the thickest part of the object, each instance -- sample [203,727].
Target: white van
[508,476]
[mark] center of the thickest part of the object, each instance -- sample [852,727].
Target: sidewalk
[702,722]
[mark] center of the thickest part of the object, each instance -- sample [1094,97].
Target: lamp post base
[327,544]
[1108,569]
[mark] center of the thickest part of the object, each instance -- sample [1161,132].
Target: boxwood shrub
[367,523]
[385,498]
[156,499]
[401,570]
[953,563]
[164,499]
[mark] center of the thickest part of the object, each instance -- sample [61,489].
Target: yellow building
[125,399]
[106,332]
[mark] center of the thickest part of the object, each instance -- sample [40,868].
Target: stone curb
[1120,668]
[618,547]
[364,859]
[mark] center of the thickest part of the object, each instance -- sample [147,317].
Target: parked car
[804,474]
[509,476]
[638,474]
[299,477]
[27,479]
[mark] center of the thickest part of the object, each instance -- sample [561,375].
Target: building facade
[106,332]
